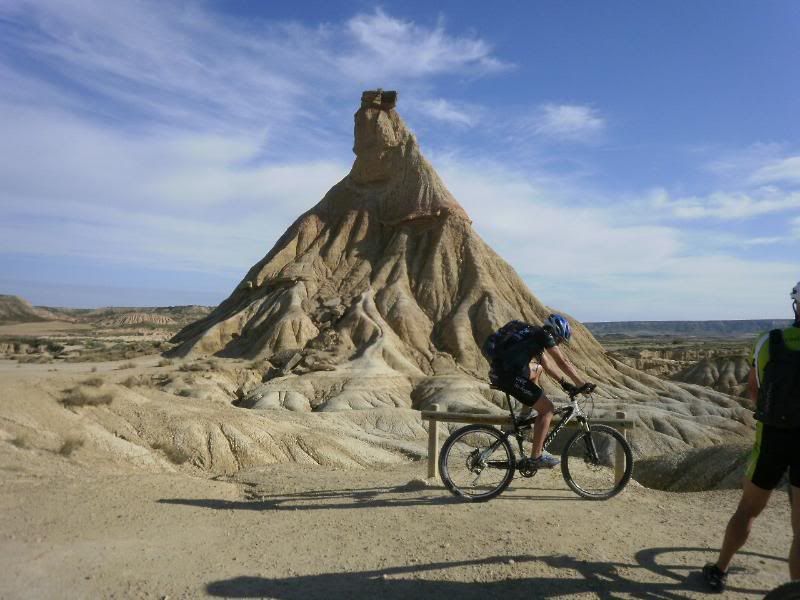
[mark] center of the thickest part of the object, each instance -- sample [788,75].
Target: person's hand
[568,387]
[587,388]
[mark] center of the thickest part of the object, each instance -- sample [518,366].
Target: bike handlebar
[586,388]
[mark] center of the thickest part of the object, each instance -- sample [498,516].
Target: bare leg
[794,552]
[544,408]
[753,501]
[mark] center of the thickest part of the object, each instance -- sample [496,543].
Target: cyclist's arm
[565,365]
[752,385]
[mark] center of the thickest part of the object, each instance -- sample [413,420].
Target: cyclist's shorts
[522,388]
[774,451]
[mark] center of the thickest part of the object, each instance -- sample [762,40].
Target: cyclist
[518,369]
[776,449]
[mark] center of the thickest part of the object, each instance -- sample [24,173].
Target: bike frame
[566,414]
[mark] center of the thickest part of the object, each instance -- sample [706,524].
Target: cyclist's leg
[752,502]
[794,551]
[544,408]
[794,491]
[768,462]
[530,394]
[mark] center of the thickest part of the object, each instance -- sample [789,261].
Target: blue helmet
[560,327]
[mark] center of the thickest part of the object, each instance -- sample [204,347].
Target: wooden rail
[621,423]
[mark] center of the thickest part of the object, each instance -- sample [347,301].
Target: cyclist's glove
[568,387]
[587,388]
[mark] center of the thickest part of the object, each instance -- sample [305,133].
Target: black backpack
[778,401]
[505,338]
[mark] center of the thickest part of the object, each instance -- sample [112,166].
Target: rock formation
[14,309]
[381,294]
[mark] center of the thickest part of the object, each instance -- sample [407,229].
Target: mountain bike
[478,462]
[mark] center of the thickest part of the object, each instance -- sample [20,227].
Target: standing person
[774,387]
[519,362]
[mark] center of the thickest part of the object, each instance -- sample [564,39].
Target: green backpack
[778,401]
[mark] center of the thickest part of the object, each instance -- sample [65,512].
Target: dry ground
[296,532]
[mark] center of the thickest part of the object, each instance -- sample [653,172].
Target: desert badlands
[273,446]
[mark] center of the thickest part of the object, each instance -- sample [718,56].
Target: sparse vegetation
[127,365]
[166,362]
[79,396]
[70,445]
[189,367]
[185,392]
[93,382]
[134,381]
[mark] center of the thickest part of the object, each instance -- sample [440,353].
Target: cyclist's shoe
[545,461]
[715,577]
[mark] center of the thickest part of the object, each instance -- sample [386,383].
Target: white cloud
[70,188]
[796,227]
[443,110]
[786,170]
[180,65]
[570,122]
[726,205]
[609,262]
[387,48]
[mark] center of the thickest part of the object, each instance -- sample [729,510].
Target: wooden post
[619,458]
[433,445]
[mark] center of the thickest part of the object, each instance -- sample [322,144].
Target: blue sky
[632,160]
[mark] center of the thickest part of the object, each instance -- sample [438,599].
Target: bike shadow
[376,497]
[349,498]
[604,579]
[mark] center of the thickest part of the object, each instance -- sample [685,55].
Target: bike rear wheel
[477,463]
[589,462]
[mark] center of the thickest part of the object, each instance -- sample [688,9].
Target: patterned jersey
[760,355]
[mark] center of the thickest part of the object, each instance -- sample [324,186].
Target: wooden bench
[621,423]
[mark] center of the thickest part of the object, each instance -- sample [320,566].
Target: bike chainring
[525,469]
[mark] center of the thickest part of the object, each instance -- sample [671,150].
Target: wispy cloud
[726,205]
[568,122]
[786,170]
[602,263]
[449,112]
[386,47]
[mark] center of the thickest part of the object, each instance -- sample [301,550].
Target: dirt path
[294,532]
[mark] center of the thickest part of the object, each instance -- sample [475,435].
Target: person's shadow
[648,577]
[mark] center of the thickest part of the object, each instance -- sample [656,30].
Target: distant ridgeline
[686,328]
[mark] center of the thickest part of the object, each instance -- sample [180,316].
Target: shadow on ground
[376,497]
[654,580]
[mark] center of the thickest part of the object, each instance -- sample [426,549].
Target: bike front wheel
[597,464]
[477,463]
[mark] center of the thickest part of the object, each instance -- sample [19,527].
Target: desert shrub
[70,445]
[188,367]
[212,364]
[133,381]
[79,396]
[93,382]
[185,392]
[173,454]
[54,348]
[127,365]
[166,362]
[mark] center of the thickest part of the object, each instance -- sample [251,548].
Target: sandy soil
[303,532]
